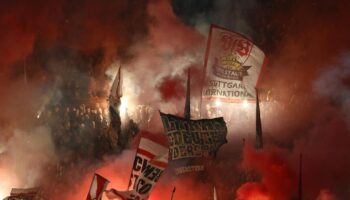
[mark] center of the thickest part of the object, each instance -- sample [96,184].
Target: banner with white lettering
[233,65]
[193,138]
[150,161]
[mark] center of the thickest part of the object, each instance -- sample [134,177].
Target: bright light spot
[8,181]
[245,104]
[123,106]
[2,149]
[38,115]
[217,103]
[4,193]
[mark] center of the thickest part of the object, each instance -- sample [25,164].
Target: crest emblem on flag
[235,50]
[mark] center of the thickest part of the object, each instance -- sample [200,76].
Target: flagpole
[300,186]
[172,194]
[187,111]
[258,140]
[205,68]
[25,71]
[120,89]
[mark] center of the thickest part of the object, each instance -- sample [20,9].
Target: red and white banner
[233,65]
[124,195]
[98,186]
[150,161]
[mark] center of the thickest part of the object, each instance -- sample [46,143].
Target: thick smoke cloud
[48,48]
[53,86]
[303,40]
[27,155]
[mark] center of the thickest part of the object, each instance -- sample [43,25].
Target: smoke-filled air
[90,88]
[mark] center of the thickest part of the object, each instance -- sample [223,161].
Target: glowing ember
[8,180]
[245,104]
[218,103]
[38,115]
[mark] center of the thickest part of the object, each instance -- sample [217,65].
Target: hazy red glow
[252,191]
[307,109]
[171,88]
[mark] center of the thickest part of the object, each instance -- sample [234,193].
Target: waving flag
[98,186]
[193,138]
[150,161]
[116,92]
[233,65]
[190,141]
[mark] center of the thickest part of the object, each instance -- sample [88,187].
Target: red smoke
[278,177]
[172,87]
[305,122]
[84,25]
[326,195]
[18,34]
[323,164]
[252,191]
[117,171]
[157,48]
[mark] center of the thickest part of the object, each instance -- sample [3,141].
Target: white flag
[141,186]
[150,161]
[116,91]
[233,65]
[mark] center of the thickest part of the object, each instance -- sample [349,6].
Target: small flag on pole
[233,64]
[97,187]
[116,92]
[300,186]
[215,195]
[187,113]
